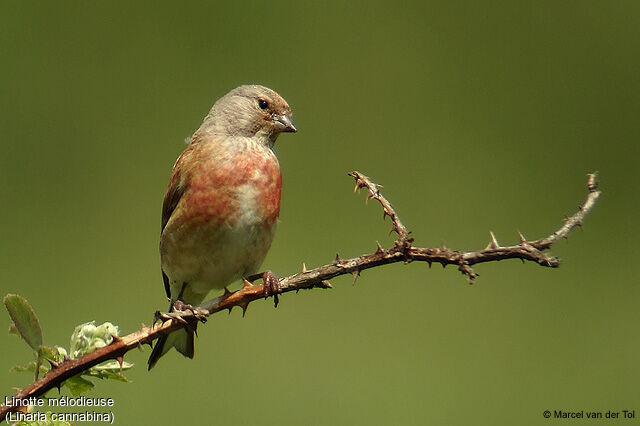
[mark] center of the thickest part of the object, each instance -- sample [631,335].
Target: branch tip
[592,181]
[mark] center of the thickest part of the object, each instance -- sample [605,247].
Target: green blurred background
[474,117]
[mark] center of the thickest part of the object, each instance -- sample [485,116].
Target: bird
[220,211]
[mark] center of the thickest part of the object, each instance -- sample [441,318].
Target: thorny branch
[402,251]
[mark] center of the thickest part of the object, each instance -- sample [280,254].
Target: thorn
[429,262]
[379,249]
[579,224]
[494,241]
[444,264]
[229,308]
[522,260]
[523,240]
[592,181]
[356,274]
[54,364]
[393,228]
[226,293]
[326,284]
[246,284]
[120,360]
[337,259]
[297,290]
[384,215]
[566,218]
[115,339]
[493,244]
[244,308]
[304,267]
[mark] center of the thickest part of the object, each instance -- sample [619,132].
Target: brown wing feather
[171,200]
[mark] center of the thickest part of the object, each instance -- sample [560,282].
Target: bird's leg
[271,286]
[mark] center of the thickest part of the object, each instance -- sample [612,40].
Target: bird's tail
[181,339]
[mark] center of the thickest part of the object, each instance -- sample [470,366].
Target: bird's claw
[178,310]
[161,316]
[198,313]
[271,286]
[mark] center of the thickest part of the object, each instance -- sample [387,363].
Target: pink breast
[213,187]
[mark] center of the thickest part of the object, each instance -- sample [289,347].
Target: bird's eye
[263,104]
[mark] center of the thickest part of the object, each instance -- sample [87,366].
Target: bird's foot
[271,286]
[198,313]
[177,311]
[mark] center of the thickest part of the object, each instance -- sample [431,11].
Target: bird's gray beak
[287,123]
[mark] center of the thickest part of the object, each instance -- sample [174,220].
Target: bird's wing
[171,199]
[173,195]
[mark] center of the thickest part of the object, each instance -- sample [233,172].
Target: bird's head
[250,111]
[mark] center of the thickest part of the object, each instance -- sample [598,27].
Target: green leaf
[25,320]
[29,368]
[14,330]
[53,353]
[110,370]
[109,375]
[77,385]
[113,366]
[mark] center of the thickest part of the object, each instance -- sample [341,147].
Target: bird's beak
[287,123]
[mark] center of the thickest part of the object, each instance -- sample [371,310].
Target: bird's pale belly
[213,255]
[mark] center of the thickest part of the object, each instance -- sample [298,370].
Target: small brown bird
[220,211]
